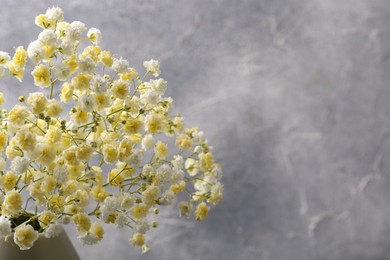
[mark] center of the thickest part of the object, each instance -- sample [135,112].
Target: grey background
[294,97]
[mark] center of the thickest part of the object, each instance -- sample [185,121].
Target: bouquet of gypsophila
[94,154]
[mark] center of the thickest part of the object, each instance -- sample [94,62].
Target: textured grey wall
[294,97]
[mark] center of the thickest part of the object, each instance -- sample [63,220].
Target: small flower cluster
[104,159]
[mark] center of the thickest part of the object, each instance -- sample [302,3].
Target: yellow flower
[129,76]
[98,193]
[161,150]
[37,102]
[115,177]
[25,236]
[56,203]
[44,22]
[53,134]
[8,181]
[3,140]
[54,108]
[110,153]
[120,89]
[20,57]
[150,195]
[133,126]
[66,92]
[80,116]
[92,52]
[184,142]
[18,115]
[139,211]
[201,211]
[42,77]
[97,230]
[12,204]
[84,152]
[1,98]
[46,217]
[138,239]
[81,81]
[71,62]
[177,188]
[125,148]
[154,123]
[46,153]
[106,58]
[206,161]
[101,101]
[15,70]
[25,139]
[82,222]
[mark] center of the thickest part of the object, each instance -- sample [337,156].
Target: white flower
[167,197]
[142,226]
[152,67]
[151,97]
[47,37]
[198,149]
[35,51]
[120,65]
[5,226]
[87,65]
[94,35]
[135,158]
[201,186]
[4,58]
[164,172]
[55,13]
[177,162]
[147,170]
[20,165]
[61,174]
[121,220]
[127,201]
[109,206]
[66,48]
[159,85]
[53,230]
[88,239]
[177,176]
[147,142]
[185,208]
[1,72]
[75,31]
[99,84]
[197,136]
[62,72]
[86,102]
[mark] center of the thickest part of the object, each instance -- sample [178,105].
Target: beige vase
[57,248]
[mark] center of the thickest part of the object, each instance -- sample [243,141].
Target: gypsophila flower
[114,154]
[35,51]
[20,165]
[4,58]
[25,236]
[55,14]
[5,226]
[120,65]
[152,67]
[94,35]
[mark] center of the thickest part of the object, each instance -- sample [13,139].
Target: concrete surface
[294,97]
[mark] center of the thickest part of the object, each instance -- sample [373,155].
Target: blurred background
[294,98]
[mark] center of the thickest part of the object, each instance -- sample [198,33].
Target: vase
[57,248]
